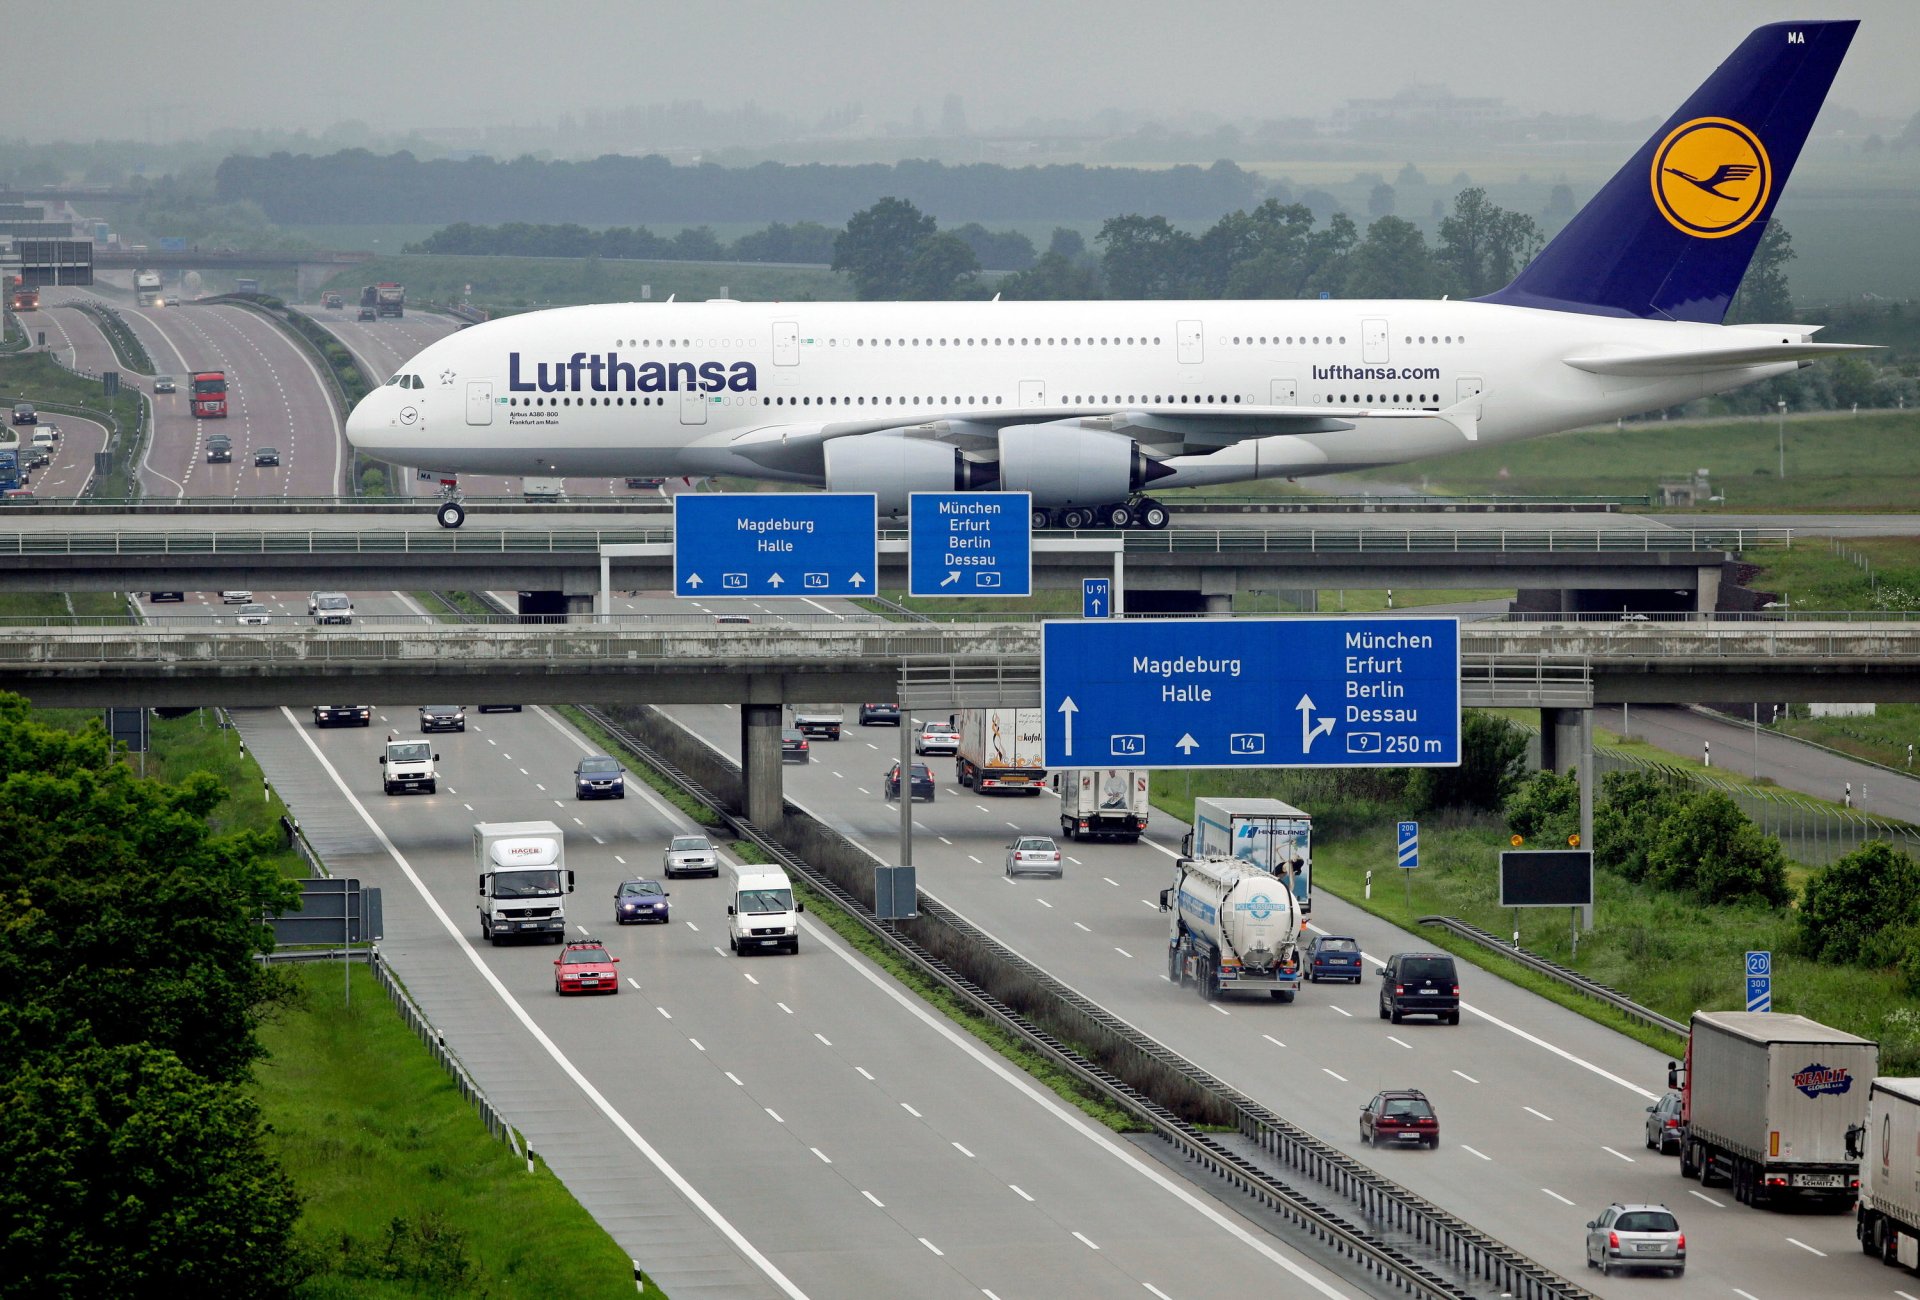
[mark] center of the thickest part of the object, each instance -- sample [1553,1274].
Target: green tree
[1626,820]
[1483,245]
[1764,298]
[1380,201]
[942,267]
[1846,904]
[1146,257]
[1055,277]
[1706,847]
[877,249]
[1391,262]
[1545,809]
[1493,759]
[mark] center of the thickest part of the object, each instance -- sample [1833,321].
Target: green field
[1833,462]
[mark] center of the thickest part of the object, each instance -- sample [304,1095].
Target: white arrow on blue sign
[970,544]
[1409,845]
[774,544]
[1096,598]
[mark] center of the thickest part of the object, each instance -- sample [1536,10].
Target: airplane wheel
[1153,515]
[1076,518]
[451,514]
[1120,516]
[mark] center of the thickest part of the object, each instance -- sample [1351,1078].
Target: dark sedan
[640,900]
[1333,957]
[443,717]
[598,777]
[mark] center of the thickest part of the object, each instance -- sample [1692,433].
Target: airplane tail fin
[1670,236]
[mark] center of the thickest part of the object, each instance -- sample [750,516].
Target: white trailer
[1888,1216]
[1271,835]
[1102,802]
[1002,751]
[1234,928]
[1771,1104]
[524,880]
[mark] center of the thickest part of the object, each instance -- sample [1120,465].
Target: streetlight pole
[1782,405]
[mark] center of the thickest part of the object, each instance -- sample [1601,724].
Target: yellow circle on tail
[1711,177]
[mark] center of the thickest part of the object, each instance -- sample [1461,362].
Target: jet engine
[892,466]
[1066,464]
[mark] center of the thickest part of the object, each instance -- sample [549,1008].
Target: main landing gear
[1143,512]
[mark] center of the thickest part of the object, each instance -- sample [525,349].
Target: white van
[763,914]
[409,765]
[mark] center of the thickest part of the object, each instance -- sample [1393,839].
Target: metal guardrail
[1572,979]
[1451,1239]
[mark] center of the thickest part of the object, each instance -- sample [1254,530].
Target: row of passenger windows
[1103,399]
[1263,340]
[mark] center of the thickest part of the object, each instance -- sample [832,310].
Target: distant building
[1421,110]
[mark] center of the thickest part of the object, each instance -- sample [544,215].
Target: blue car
[639,900]
[1333,957]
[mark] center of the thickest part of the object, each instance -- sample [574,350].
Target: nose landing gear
[451,513]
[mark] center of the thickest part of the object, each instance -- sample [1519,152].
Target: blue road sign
[1096,598]
[1409,845]
[774,544]
[970,544]
[1759,963]
[1759,992]
[1301,692]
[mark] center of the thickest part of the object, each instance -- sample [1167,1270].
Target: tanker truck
[1234,928]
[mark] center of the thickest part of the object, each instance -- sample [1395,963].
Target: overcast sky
[131,68]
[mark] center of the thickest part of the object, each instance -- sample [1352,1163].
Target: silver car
[253,615]
[1636,1236]
[689,855]
[1034,853]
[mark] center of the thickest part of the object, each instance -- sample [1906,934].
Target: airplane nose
[362,421]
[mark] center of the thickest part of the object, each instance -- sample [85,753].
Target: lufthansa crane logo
[1711,177]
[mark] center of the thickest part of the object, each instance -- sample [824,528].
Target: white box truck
[1888,1216]
[1771,1105]
[763,914]
[1272,835]
[1102,802]
[1234,928]
[1002,751]
[524,881]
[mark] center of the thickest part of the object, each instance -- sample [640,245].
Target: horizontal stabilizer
[1653,365]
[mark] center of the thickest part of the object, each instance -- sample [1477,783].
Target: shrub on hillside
[1707,847]
[1493,762]
[1626,819]
[1546,807]
[1853,908]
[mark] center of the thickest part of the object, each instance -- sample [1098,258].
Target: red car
[1400,1115]
[585,967]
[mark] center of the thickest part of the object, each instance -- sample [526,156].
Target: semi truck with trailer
[1102,802]
[1887,1218]
[385,298]
[146,287]
[1773,1105]
[524,881]
[1271,835]
[1233,928]
[1002,751]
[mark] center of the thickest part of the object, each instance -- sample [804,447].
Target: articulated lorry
[1002,751]
[1102,802]
[146,287]
[1773,1105]
[524,881]
[1271,835]
[1234,928]
[1888,1216]
[385,298]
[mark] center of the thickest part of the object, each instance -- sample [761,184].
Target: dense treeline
[355,185]
[132,1160]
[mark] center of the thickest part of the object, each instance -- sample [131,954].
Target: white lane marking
[1341,1077]
[1809,1249]
[944,840]
[467,806]
[541,788]
[963,1151]
[1123,952]
[863,790]
[1708,1199]
[736,1079]
[698,1045]
[1556,1196]
[911,1111]
[1145,903]
[823,1039]
[1402,1042]
[1111,881]
[776,1114]
[784,1007]
[871,1197]
[1086,1241]
[1271,1039]
[1470,1151]
[976,860]
[593,1094]
[1903,1295]
[717,952]
[823,1155]
[598,840]
[1156,1290]
[578,822]
[1075,861]
[632,982]
[1083,927]
[1531,1111]
[930,1246]
[663,1011]
[750,978]
[1468,1077]
[1013,826]
[617,858]
[1044,903]
[1748,1294]
[523,772]
[863,1073]
[1222,1010]
[1623,1155]
[691,926]
[1072,1118]
[1343,1011]
[493,742]
[1018,1192]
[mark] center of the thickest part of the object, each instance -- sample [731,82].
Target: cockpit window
[417,381]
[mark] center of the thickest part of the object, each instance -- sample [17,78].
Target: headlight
[628,907]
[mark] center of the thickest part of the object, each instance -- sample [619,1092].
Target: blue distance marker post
[1409,855]
[1096,598]
[1760,981]
[774,544]
[1298,692]
[970,544]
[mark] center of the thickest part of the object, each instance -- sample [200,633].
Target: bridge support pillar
[1707,593]
[1566,742]
[1219,604]
[580,607]
[760,764]
[308,277]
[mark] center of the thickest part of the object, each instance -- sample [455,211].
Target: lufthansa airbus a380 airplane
[1090,405]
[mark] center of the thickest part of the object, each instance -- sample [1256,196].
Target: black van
[1420,984]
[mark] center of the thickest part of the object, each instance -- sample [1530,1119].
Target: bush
[1854,908]
[1627,818]
[1493,761]
[1706,847]
[1546,807]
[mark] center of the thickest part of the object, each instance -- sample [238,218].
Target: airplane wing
[1743,356]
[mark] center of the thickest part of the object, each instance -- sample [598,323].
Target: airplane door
[1373,341]
[786,343]
[1033,394]
[1284,392]
[1190,334]
[480,401]
[693,407]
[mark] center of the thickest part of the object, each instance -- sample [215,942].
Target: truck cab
[763,915]
[409,765]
